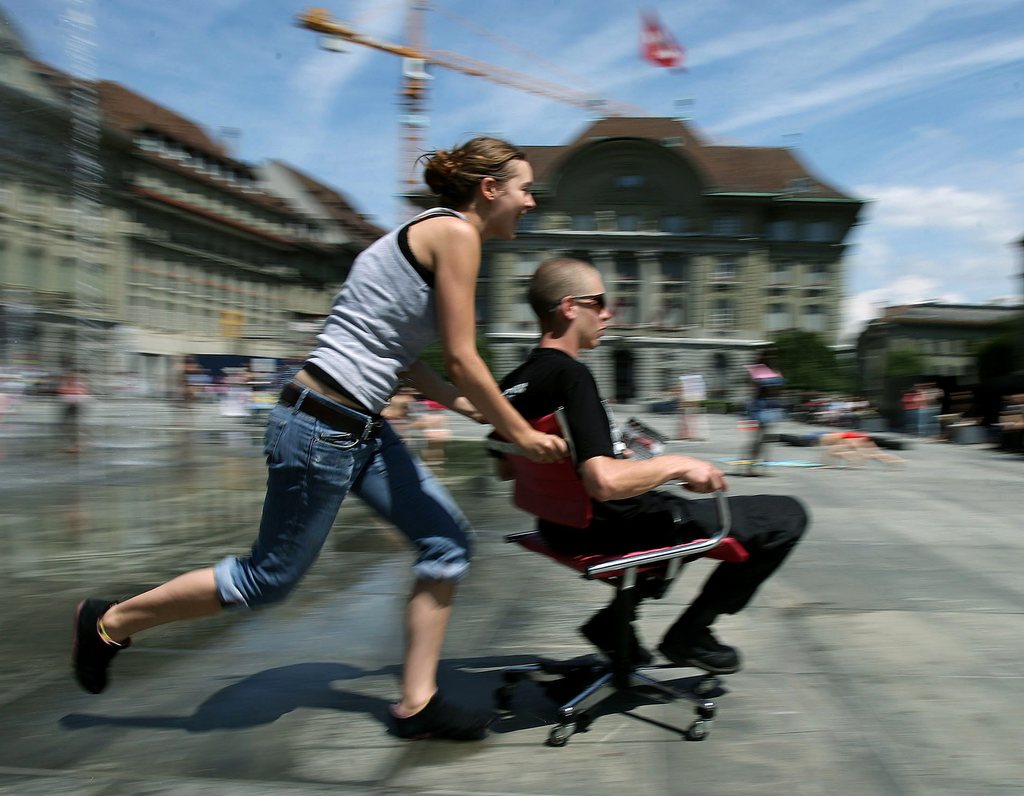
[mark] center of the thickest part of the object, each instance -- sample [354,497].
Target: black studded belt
[315,405]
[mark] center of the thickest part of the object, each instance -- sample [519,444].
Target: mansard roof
[132,113]
[933,312]
[338,205]
[775,171]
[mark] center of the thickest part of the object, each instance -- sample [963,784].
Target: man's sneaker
[698,647]
[90,654]
[601,629]
[442,719]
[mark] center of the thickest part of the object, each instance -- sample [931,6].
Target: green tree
[808,363]
[995,358]
[998,356]
[904,363]
[433,355]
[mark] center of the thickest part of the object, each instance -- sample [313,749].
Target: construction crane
[415,77]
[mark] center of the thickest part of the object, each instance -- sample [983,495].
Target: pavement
[883,658]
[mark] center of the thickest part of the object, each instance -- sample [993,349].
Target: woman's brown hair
[454,174]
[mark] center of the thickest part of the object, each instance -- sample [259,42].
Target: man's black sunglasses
[598,300]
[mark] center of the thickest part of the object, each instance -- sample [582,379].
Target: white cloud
[945,207]
[774,37]
[912,289]
[898,77]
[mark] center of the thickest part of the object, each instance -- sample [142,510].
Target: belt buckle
[369,428]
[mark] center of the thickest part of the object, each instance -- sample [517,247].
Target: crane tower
[415,79]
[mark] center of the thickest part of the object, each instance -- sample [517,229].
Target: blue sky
[916,106]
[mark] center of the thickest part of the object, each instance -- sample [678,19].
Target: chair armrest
[698,547]
[499,446]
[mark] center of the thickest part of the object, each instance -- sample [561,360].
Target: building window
[781,230]
[674,225]
[723,313]
[582,221]
[66,275]
[32,275]
[671,311]
[626,267]
[32,207]
[526,264]
[483,302]
[725,270]
[781,273]
[727,226]
[626,309]
[628,222]
[629,181]
[522,315]
[817,274]
[674,268]
[814,318]
[819,231]
[778,318]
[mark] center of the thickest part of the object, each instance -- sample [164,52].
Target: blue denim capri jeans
[311,468]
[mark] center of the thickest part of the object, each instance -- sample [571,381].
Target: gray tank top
[382,318]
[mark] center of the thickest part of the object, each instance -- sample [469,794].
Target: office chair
[554,492]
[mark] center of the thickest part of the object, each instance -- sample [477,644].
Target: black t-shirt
[550,379]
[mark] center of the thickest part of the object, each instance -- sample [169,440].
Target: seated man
[568,298]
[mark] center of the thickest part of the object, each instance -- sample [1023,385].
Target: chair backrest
[552,492]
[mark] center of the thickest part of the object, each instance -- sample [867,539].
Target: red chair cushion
[553,492]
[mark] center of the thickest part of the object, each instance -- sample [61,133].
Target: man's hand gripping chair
[554,492]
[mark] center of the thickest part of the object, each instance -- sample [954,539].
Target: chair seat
[729,549]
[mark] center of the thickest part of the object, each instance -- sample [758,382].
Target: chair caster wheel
[561,733]
[697,731]
[706,711]
[503,696]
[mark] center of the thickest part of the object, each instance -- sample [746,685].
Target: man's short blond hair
[555,279]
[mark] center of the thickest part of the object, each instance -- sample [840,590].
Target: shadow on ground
[266,696]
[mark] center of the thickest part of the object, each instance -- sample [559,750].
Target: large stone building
[190,251]
[707,251]
[945,337]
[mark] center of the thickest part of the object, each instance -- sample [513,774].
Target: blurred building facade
[1020,323]
[706,251]
[197,252]
[946,338]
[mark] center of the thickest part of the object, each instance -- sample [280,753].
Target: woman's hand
[543,448]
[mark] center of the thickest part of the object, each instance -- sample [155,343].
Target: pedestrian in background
[762,411]
[911,403]
[73,394]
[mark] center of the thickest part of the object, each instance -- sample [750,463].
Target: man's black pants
[768,526]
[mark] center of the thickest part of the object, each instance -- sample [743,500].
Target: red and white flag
[657,45]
